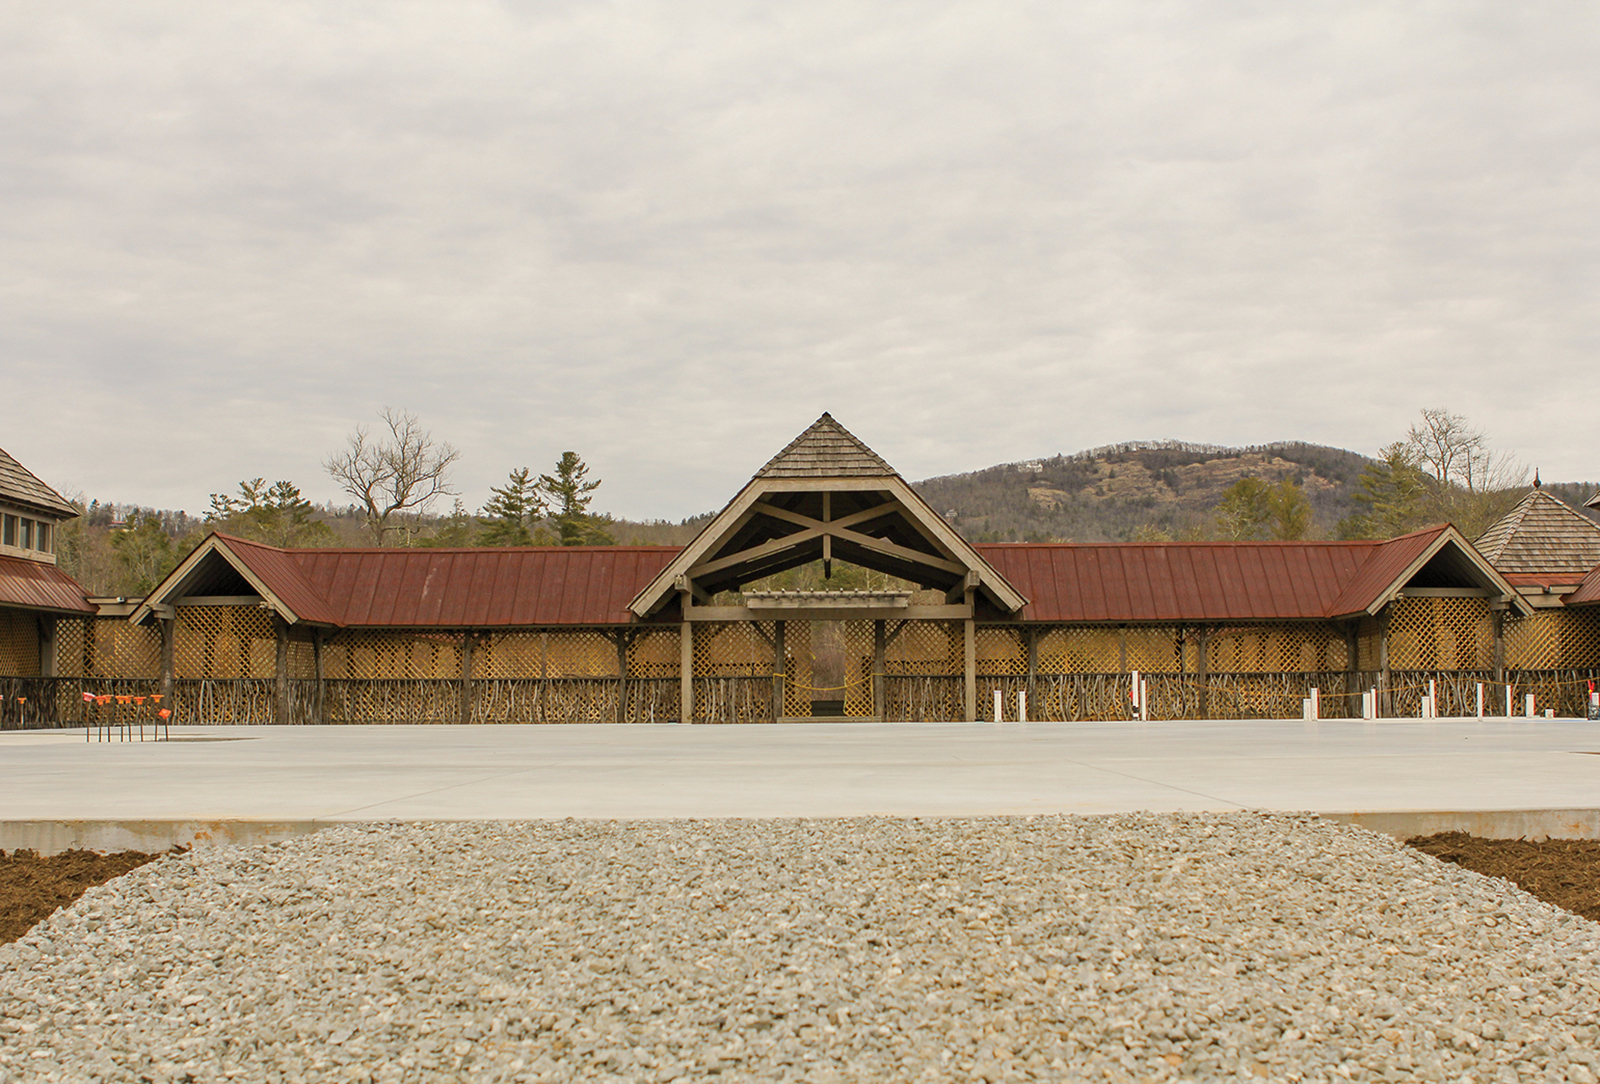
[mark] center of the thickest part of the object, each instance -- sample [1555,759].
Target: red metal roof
[1065,582]
[458,588]
[1588,591]
[1203,581]
[38,586]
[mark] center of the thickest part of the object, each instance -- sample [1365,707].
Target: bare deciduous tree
[1470,483]
[403,470]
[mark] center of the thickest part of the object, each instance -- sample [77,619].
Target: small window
[27,534]
[9,535]
[42,539]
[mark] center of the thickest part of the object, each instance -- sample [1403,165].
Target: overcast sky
[668,236]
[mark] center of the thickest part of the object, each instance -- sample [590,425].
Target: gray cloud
[670,235]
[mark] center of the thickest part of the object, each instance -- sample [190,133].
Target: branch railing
[40,703]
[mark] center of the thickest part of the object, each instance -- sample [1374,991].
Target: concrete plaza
[1494,776]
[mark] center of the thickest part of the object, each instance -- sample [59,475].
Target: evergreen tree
[1245,509]
[1394,493]
[277,515]
[144,551]
[513,510]
[570,492]
[454,530]
[1289,511]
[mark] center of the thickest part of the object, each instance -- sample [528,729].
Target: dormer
[30,512]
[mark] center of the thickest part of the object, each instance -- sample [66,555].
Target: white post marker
[1527,705]
[1316,702]
[1480,700]
[997,702]
[1144,700]
[1508,701]
[1022,706]
[1133,694]
[1433,699]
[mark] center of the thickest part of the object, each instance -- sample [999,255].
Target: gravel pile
[1138,947]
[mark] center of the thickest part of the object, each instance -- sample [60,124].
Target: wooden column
[1202,672]
[686,672]
[879,647]
[1387,697]
[1499,619]
[464,708]
[169,651]
[280,700]
[1352,668]
[318,638]
[780,670]
[1032,638]
[622,639]
[970,667]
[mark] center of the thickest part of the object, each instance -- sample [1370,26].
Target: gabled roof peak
[826,450]
[1542,534]
[20,485]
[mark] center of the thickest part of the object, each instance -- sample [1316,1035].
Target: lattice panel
[1079,649]
[797,669]
[1553,640]
[224,642]
[1000,651]
[932,648]
[501,656]
[302,660]
[1440,634]
[857,646]
[388,655]
[107,648]
[1281,648]
[19,644]
[735,649]
[1369,636]
[581,653]
[655,653]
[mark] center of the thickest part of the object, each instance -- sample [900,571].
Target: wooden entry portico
[827,496]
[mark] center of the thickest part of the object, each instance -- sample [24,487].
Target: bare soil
[32,887]
[1565,872]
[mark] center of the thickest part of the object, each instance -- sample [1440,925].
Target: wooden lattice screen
[224,642]
[19,644]
[107,647]
[391,655]
[1553,640]
[1440,634]
[1276,648]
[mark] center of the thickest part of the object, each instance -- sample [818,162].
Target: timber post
[1387,696]
[464,707]
[1032,636]
[1498,616]
[1352,668]
[780,669]
[318,638]
[1202,672]
[280,699]
[168,629]
[686,667]
[969,656]
[879,647]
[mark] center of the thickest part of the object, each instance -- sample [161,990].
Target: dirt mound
[1565,872]
[31,887]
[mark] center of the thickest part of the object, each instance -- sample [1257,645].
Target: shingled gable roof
[776,522]
[826,450]
[425,588]
[1542,534]
[1231,581]
[19,485]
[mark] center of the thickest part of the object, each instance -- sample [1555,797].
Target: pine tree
[570,492]
[512,511]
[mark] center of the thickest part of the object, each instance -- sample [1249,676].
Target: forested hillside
[1140,490]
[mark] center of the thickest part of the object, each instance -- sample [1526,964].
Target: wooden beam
[464,708]
[879,648]
[688,585]
[280,700]
[754,553]
[840,528]
[219,600]
[704,614]
[969,667]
